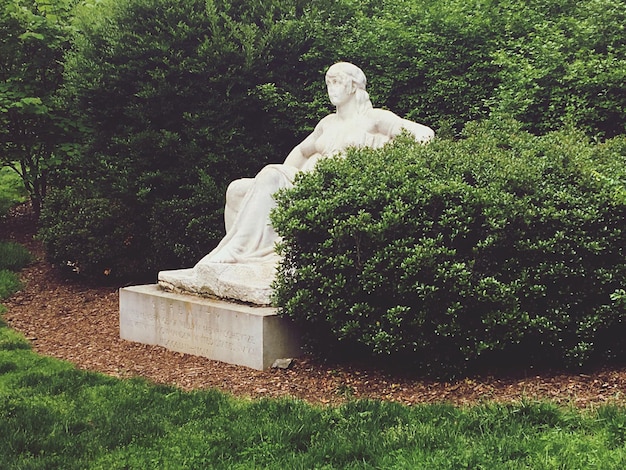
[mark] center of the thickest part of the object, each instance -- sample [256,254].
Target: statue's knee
[268,176]
[237,189]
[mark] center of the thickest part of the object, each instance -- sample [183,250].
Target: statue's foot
[224,255]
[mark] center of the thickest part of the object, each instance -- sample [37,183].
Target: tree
[33,129]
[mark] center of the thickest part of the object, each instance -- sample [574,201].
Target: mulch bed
[79,323]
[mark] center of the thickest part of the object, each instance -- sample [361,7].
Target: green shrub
[174,101]
[89,235]
[180,227]
[13,256]
[107,237]
[171,97]
[92,236]
[9,283]
[563,62]
[428,61]
[459,254]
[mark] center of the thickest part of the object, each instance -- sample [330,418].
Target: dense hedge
[175,100]
[165,95]
[563,62]
[499,247]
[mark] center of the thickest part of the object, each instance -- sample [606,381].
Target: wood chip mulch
[79,323]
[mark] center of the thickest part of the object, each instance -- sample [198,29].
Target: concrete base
[238,334]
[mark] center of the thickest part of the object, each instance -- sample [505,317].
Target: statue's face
[340,88]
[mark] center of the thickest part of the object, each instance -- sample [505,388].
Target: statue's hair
[357,76]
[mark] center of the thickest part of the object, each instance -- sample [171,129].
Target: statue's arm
[301,153]
[389,123]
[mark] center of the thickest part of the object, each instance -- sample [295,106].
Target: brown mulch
[79,323]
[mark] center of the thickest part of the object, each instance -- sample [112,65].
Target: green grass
[13,256]
[54,416]
[9,283]
[12,191]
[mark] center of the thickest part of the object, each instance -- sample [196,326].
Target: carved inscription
[180,328]
[231,333]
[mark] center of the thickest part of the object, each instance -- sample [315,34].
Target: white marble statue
[243,264]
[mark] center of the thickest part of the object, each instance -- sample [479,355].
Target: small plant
[13,256]
[9,283]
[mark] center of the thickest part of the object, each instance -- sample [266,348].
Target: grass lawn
[55,416]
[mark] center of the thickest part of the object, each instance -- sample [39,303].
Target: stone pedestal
[229,332]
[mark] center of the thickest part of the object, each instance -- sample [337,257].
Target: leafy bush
[181,226]
[456,254]
[176,100]
[166,92]
[110,237]
[430,61]
[89,235]
[563,62]
[13,256]
[9,283]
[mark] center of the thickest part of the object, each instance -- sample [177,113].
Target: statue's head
[350,71]
[353,73]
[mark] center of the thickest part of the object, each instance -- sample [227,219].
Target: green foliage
[33,126]
[564,62]
[499,248]
[9,283]
[93,236]
[172,96]
[429,61]
[13,256]
[54,416]
[181,226]
[12,191]
[176,100]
